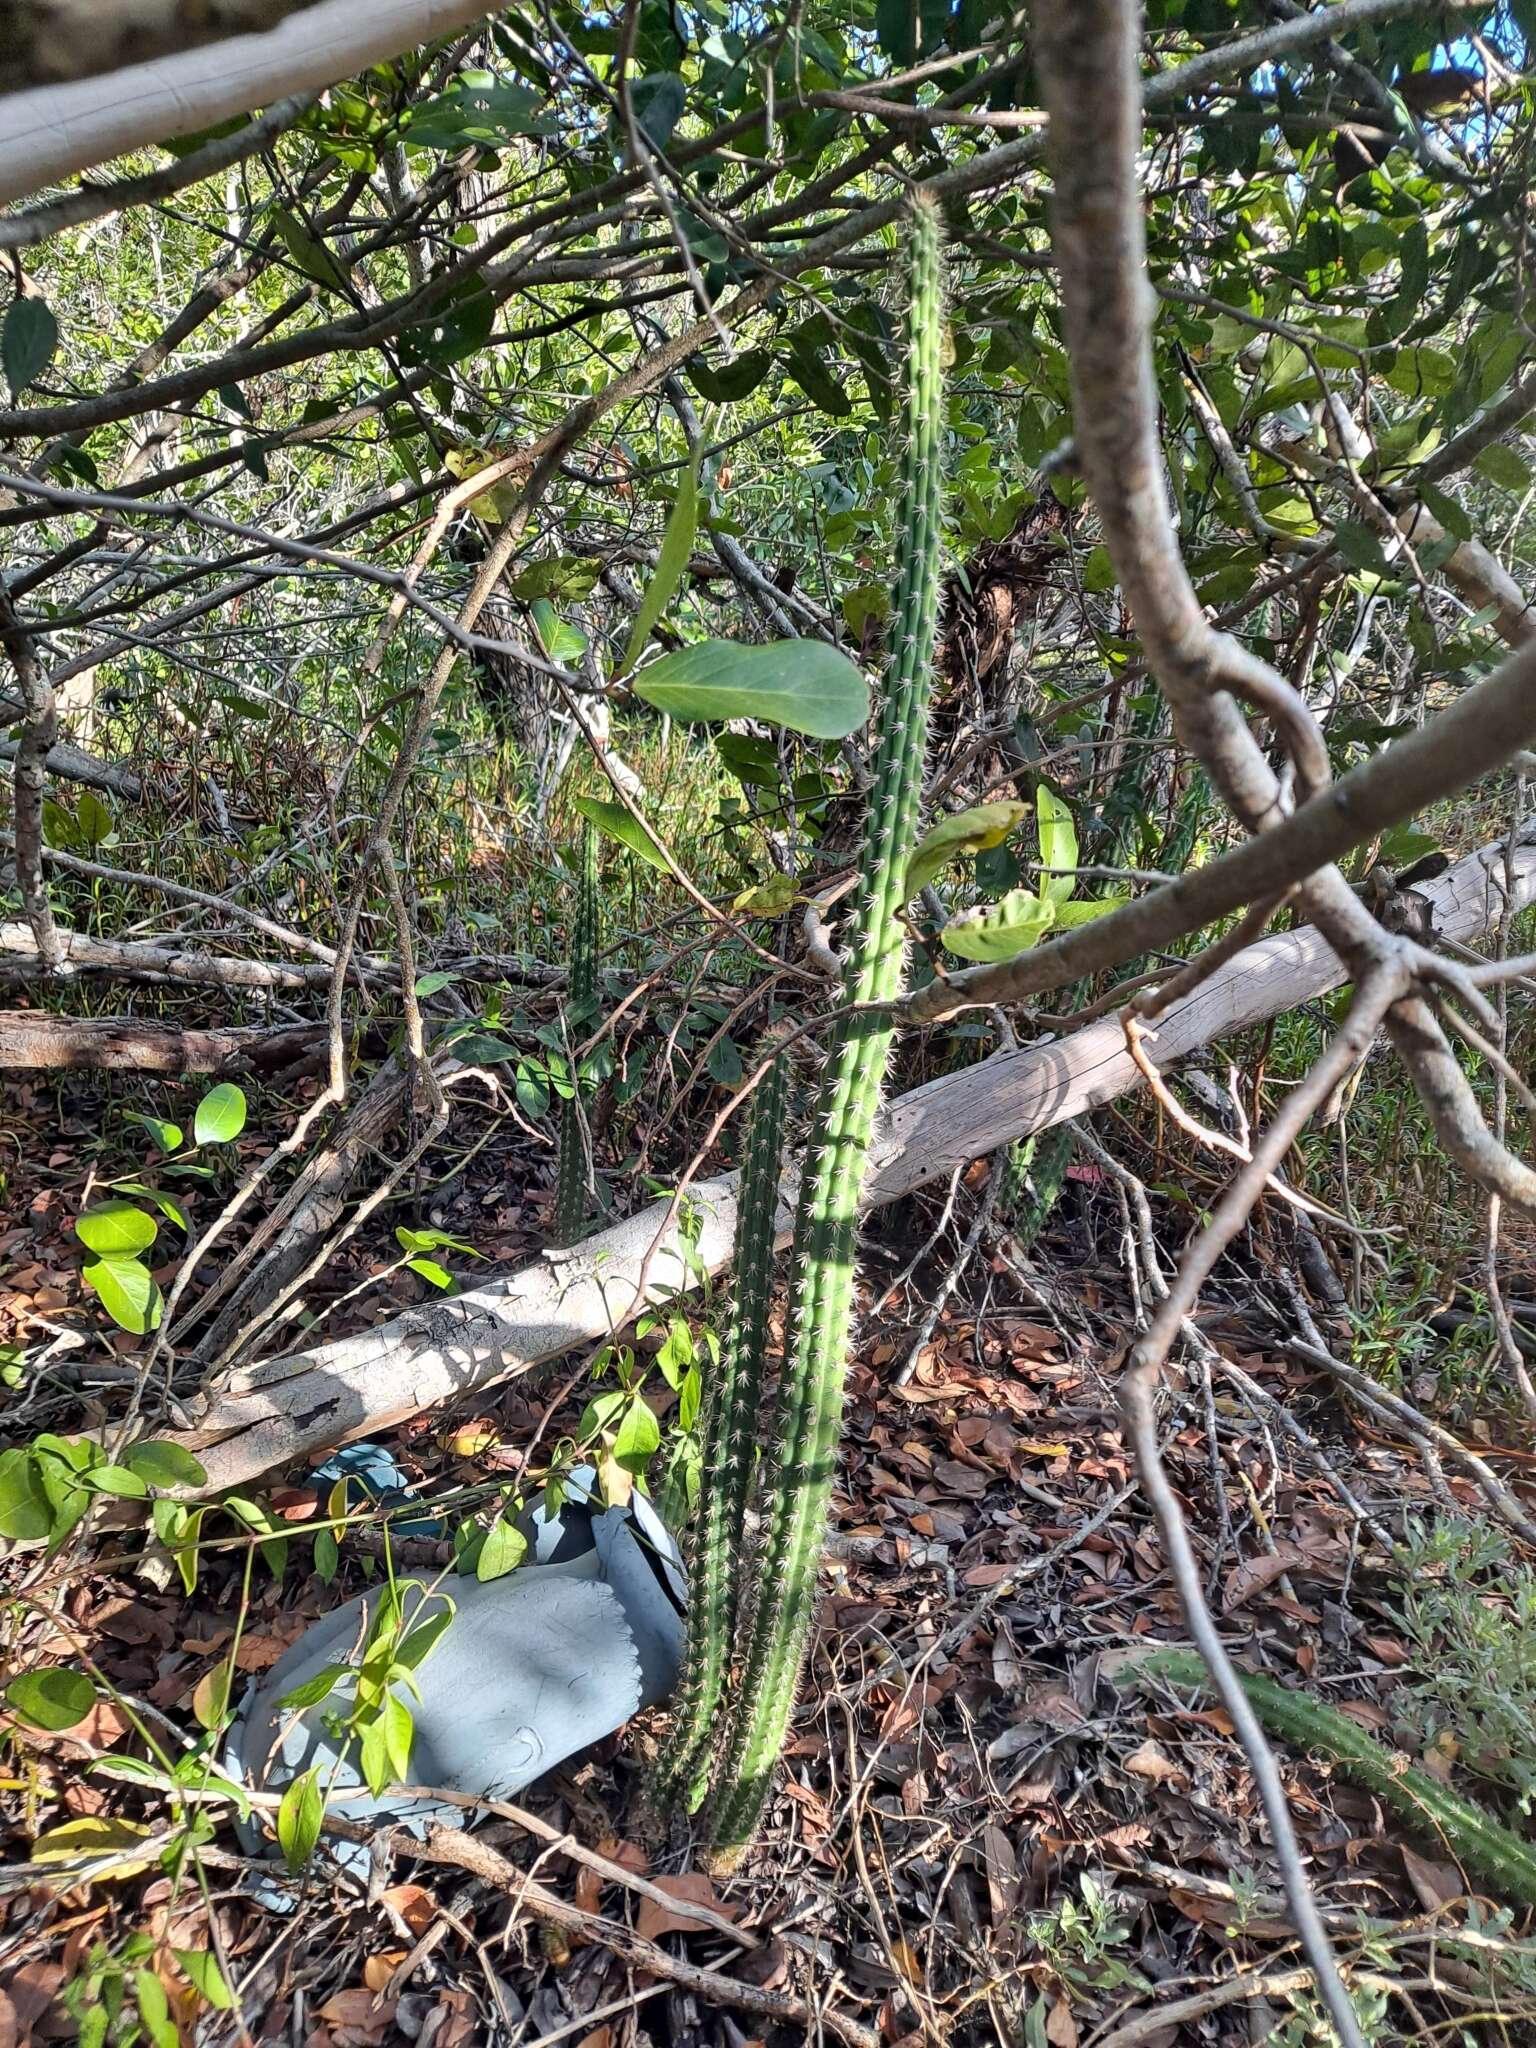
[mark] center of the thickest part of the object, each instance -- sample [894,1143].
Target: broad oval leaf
[614,822]
[164,1465]
[116,1480]
[972,831]
[996,931]
[127,1292]
[26,1514]
[503,1550]
[804,685]
[166,1135]
[116,1230]
[220,1116]
[27,342]
[53,1699]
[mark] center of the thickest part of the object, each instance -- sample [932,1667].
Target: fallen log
[35,1038]
[142,960]
[266,1414]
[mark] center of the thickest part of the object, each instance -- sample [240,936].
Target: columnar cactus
[810,1406]
[571,1173]
[1478,1841]
[731,1432]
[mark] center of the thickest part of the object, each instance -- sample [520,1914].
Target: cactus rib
[571,1176]
[809,1411]
[1484,1845]
[717,1551]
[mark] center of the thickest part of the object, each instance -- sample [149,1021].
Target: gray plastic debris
[532,1668]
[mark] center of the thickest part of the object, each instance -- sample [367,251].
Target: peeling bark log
[35,1038]
[308,1401]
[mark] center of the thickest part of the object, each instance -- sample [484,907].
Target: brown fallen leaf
[1261,1571]
[1060,2027]
[689,1888]
[413,1903]
[378,1969]
[1152,1761]
[1437,1884]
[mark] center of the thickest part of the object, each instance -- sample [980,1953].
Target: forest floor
[987,1828]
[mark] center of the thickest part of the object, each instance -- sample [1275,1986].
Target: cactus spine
[1486,1847]
[571,1173]
[731,1429]
[810,1405]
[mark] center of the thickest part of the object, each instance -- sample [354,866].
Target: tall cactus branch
[571,1170]
[810,1405]
[731,1437]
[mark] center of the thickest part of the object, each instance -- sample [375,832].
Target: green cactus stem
[571,1177]
[732,1428]
[810,1405]
[1035,1174]
[1483,1846]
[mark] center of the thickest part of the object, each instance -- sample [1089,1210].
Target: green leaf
[155,2010]
[503,1550]
[299,1817]
[802,684]
[1085,911]
[164,1464]
[972,831]
[560,641]
[27,342]
[310,253]
[431,1271]
[671,562]
[203,1970]
[724,1062]
[1358,545]
[826,392]
[93,819]
[423,1640]
[478,109]
[658,102]
[727,383]
[127,1292]
[54,1699]
[429,984]
[1502,466]
[116,1229]
[220,1116]
[637,1436]
[374,1757]
[59,827]
[315,1689]
[399,1734]
[1058,845]
[769,898]
[996,931]
[481,1049]
[166,1204]
[167,1136]
[116,1480]
[614,822]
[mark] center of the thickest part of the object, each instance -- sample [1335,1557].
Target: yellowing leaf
[972,831]
[86,1840]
